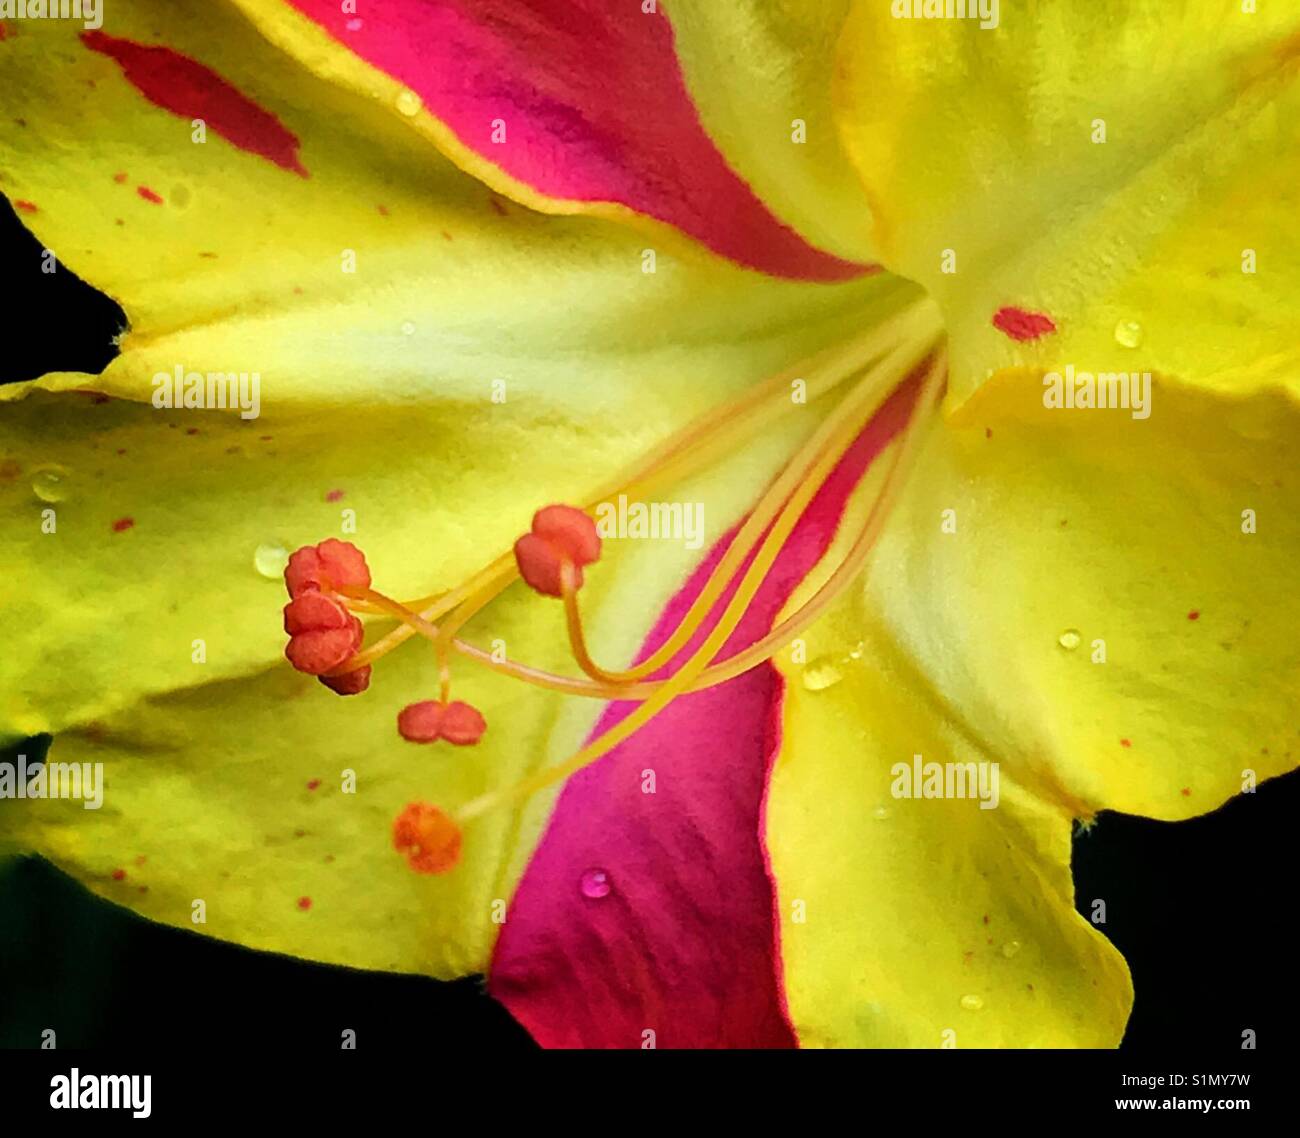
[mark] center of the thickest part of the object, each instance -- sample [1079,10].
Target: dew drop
[820,674]
[408,328]
[408,102]
[51,483]
[858,650]
[1128,333]
[595,884]
[1069,639]
[269,559]
[972,1003]
[880,813]
[1010,948]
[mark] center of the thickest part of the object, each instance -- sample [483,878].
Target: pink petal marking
[594,108]
[188,88]
[1022,325]
[655,912]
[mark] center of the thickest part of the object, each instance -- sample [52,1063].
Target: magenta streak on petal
[594,107]
[685,941]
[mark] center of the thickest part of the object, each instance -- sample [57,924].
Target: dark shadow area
[1202,911]
[54,321]
[101,977]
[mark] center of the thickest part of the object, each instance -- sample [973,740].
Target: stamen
[327,580]
[428,837]
[749,586]
[427,722]
[675,459]
[561,542]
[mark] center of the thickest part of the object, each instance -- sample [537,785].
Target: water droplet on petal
[972,1003]
[409,103]
[595,884]
[858,650]
[1128,333]
[408,328]
[1069,639]
[820,674]
[269,559]
[1010,948]
[51,483]
[880,813]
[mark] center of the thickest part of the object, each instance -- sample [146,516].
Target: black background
[1202,909]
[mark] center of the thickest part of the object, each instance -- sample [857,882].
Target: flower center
[551,559]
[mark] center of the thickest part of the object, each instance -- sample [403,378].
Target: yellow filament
[677,457]
[750,583]
[799,478]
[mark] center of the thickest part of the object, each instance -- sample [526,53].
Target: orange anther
[322,633]
[428,838]
[349,683]
[329,567]
[559,534]
[428,721]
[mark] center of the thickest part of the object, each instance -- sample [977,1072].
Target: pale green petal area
[760,72]
[1128,168]
[229,778]
[1103,607]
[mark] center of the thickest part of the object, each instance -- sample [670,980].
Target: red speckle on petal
[383,210]
[334,496]
[1022,325]
[304,903]
[447,236]
[1187,792]
[313,784]
[26,206]
[1126,742]
[119,875]
[187,88]
[149,195]
[191,430]
[1194,615]
[120,177]
[123,524]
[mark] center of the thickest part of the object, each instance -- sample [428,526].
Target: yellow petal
[1128,170]
[1060,593]
[760,74]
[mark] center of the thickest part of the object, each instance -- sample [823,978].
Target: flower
[482,259]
